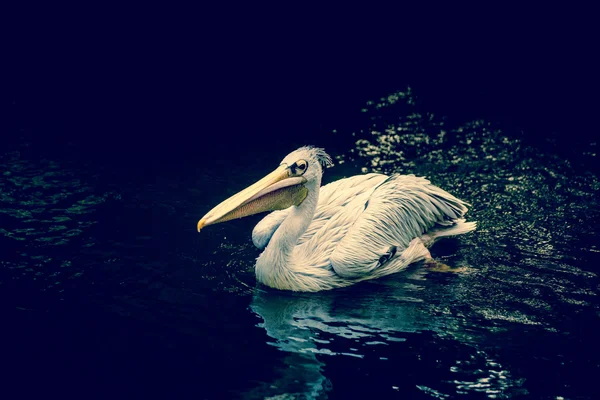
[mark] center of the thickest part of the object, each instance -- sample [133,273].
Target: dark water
[108,291]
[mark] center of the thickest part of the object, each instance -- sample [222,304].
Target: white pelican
[357,228]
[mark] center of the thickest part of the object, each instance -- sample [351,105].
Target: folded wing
[400,209]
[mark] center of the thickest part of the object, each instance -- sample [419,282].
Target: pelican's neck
[276,258]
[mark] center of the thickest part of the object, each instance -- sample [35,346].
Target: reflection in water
[383,323]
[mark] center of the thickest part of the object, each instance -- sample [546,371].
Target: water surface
[105,280]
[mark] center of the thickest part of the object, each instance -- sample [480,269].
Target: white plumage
[358,228]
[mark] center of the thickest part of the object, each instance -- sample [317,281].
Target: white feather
[343,233]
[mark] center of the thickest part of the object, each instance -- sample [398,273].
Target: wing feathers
[358,219]
[400,209]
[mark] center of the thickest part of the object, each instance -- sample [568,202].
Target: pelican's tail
[460,227]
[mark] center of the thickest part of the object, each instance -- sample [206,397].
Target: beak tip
[201,224]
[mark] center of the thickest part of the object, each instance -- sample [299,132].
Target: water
[106,288]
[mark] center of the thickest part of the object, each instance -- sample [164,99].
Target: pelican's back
[400,209]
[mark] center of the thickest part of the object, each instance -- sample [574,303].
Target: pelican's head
[288,185]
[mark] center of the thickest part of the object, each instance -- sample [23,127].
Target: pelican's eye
[299,167]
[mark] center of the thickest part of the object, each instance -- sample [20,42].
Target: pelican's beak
[276,191]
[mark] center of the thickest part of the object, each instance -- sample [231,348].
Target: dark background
[149,83]
[150,88]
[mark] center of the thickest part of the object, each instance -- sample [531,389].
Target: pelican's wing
[332,198]
[401,208]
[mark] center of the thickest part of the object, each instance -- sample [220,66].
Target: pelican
[354,229]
